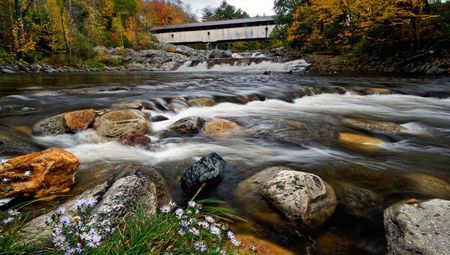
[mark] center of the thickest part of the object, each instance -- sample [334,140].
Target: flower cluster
[71,232]
[203,232]
[8,218]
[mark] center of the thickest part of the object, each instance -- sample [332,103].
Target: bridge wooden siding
[216,31]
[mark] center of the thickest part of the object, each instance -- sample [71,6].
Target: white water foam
[291,66]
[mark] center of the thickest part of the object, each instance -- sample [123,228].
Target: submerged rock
[38,174]
[201,101]
[360,142]
[14,147]
[137,186]
[221,127]
[374,126]
[137,105]
[136,140]
[419,228]
[379,91]
[79,120]
[300,196]
[428,185]
[51,126]
[188,125]
[205,171]
[261,246]
[356,201]
[121,123]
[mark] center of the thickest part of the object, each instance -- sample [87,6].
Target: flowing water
[403,168]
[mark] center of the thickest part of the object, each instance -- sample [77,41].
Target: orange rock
[360,142]
[201,101]
[221,127]
[79,120]
[263,247]
[38,174]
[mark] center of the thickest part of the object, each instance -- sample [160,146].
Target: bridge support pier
[212,46]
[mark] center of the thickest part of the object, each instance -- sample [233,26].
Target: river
[420,152]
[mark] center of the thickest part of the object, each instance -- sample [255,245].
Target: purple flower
[184,223]
[235,242]
[8,220]
[200,246]
[192,204]
[231,235]
[165,209]
[209,219]
[215,231]
[48,221]
[203,224]
[179,212]
[194,231]
[94,241]
[181,232]
[59,240]
[65,220]
[61,211]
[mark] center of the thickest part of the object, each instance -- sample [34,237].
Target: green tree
[225,11]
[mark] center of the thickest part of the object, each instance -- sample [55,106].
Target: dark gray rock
[207,170]
[7,70]
[418,228]
[15,147]
[188,125]
[158,118]
[51,126]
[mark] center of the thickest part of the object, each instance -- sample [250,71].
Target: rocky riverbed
[323,164]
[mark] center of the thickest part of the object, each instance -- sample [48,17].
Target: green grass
[140,234]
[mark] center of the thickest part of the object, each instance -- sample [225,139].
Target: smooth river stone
[375,126]
[122,123]
[360,142]
[201,101]
[80,120]
[221,127]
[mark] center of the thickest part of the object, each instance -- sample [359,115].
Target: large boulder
[188,125]
[38,174]
[373,126]
[418,228]
[221,127]
[136,186]
[300,196]
[51,126]
[79,120]
[121,123]
[205,171]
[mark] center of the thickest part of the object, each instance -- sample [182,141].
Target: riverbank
[167,57]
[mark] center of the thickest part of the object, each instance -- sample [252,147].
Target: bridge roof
[214,24]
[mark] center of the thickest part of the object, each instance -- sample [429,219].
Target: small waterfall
[242,64]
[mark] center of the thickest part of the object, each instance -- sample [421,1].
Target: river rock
[158,118]
[356,201]
[135,140]
[374,126]
[300,196]
[188,125]
[51,126]
[418,228]
[136,186]
[261,246]
[201,101]
[205,171]
[310,205]
[79,120]
[14,147]
[379,91]
[38,174]
[121,123]
[221,127]
[360,142]
[425,184]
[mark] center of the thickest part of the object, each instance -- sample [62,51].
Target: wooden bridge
[216,31]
